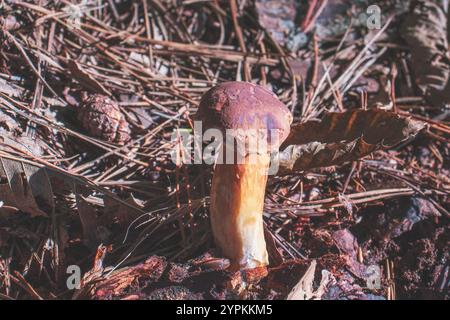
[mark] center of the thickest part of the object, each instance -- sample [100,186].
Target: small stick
[240,37]
[393,77]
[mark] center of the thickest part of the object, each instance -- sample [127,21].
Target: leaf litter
[364,173]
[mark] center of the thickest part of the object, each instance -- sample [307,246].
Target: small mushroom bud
[237,194]
[100,116]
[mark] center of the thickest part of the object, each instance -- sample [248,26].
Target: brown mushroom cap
[243,105]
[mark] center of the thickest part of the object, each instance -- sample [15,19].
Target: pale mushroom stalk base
[237,202]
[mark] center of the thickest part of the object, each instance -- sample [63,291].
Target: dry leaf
[341,137]
[18,191]
[425,31]
[93,233]
[116,212]
[304,290]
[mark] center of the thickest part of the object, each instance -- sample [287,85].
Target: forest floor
[99,191]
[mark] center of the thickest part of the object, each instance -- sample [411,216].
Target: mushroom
[237,193]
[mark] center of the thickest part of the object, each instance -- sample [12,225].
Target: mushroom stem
[237,202]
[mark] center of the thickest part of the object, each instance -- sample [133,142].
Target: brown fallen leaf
[341,137]
[425,31]
[93,232]
[18,191]
[116,212]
